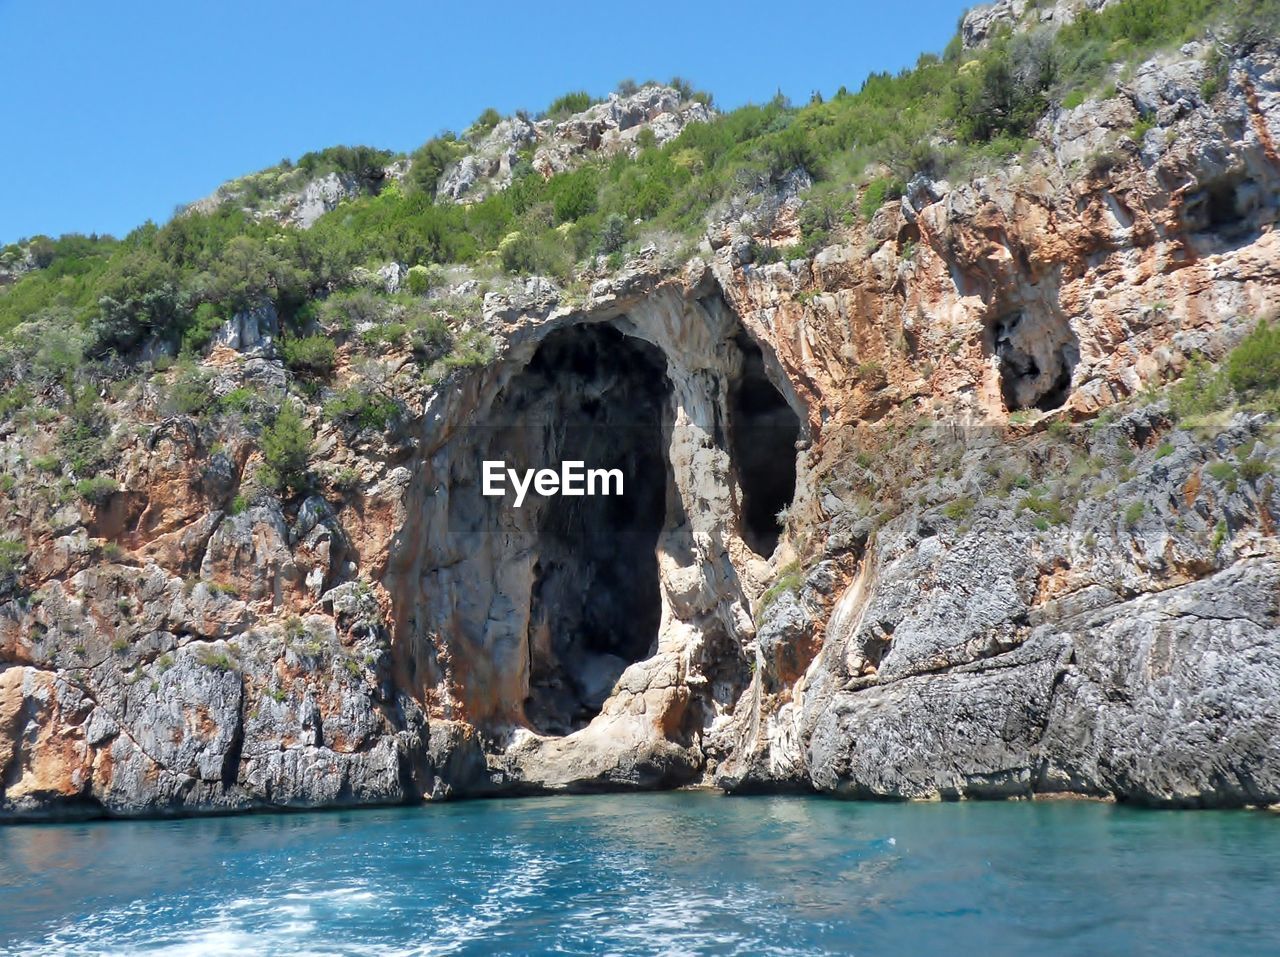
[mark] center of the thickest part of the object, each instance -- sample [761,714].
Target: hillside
[949,405]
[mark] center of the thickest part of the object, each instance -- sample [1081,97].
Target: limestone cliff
[1003,569]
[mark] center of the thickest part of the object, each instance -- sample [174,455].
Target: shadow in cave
[596,396]
[763,430]
[1038,353]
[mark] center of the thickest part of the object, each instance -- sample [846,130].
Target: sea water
[683,873]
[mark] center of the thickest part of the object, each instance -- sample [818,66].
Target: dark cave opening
[1223,210]
[763,430]
[1038,353]
[1227,206]
[596,396]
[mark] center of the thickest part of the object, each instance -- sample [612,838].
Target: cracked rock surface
[917,526]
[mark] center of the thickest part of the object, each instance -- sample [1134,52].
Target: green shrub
[473,349]
[188,391]
[1202,390]
[958,508]
[418,280]
[486,121]
[345,311]
[83,439]
[431,159]
[877,193]
[574,195]
[206,320]
[250,269]
[97,490]
[1142,126]
[613,234]
[790,579]
[390,333]
[345,479]
[1224,472]
[362,409]
[217,660]
[312,356]
[13,555]
[14,400]
[570,103]
[1134,512]
[1165,450]
[1252,469]
[286,449]
[363,161]
[1253,367]
[1052,510]
[1219,536]
[239,399]
[1006,93]
[429,335]
[525,252]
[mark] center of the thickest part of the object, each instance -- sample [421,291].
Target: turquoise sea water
[681,873]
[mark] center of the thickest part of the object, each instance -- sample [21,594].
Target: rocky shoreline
[1006,570]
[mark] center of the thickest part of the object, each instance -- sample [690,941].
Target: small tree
[286,447]
[1254,366]
[430,160]
[310,355]
[418,280]
[613,234]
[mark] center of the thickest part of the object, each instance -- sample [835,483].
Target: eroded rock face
[604,129]
[986,20]
[1168,699]
[1037,352]
[592,614]
[396,635]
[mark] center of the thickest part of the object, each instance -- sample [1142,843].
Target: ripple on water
[650,874]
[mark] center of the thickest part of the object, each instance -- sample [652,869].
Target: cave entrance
[1038,353]
[596,396]
[763,430]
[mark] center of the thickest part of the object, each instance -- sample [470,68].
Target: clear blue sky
[117,112]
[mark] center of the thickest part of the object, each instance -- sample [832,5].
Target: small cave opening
[1227,206]
[594,395]
[1038,353]
[763,429]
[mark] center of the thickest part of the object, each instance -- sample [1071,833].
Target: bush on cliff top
[940,115]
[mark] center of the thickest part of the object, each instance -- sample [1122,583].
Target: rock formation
[977,595]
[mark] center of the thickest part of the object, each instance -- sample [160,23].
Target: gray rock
[1171,698]
[252,331]
[972,732]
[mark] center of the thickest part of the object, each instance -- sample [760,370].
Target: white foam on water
[286,923]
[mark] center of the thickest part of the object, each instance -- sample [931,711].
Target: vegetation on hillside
[85,313]
[946,113]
